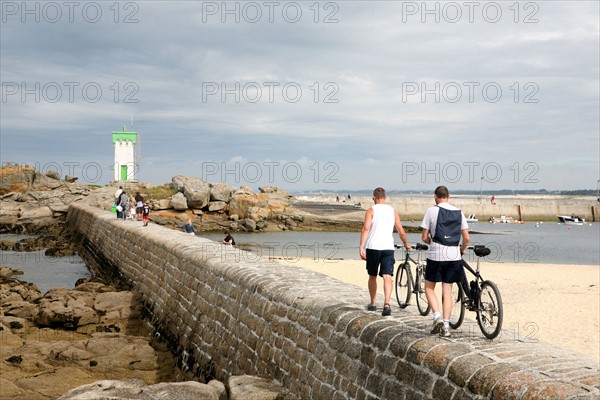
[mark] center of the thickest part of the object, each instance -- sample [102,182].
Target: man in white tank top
[377,247]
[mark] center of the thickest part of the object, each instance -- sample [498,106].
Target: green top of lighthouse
[124,135]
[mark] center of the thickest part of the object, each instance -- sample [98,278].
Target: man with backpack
[443,227]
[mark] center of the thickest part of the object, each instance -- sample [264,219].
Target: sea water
[543,243]
[44,271]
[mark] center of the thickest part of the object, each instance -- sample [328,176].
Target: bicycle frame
[465,283]
[481,296]
[408,283]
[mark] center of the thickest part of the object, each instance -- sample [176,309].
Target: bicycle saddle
[481,251]
[421,246]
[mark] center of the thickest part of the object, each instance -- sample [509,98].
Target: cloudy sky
[341,95]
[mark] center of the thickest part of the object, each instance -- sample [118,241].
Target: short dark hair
[379,193]
[226,232]
[442,192]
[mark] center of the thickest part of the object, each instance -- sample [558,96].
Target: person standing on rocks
[139,204]
[443,227]
[145,213]
[377,247]
[118,194]
[122,202]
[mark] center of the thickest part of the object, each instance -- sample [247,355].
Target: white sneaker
[445,331]
[437,326]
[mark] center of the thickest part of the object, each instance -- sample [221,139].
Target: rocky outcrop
[100,349]
[244,202]
[31,200]
[54,240]
[138,390]
[240,388]
[251,209]
[29,197]
[100,335]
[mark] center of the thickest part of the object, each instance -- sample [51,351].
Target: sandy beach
[559,304]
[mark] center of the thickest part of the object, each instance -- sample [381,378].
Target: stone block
[419,349]
[440,356]
[464,367]
[442,390]
[486,377]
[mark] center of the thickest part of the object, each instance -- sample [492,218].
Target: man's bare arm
[401,230]
[365,232]
[466,238]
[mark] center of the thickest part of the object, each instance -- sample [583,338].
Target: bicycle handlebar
[418,246]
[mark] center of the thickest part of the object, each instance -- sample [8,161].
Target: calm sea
[545,243]
[44,271]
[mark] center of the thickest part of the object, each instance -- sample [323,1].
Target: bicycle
[479,295]
[406,284]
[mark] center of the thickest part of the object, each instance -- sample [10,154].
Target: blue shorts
[385,258]
[443,271]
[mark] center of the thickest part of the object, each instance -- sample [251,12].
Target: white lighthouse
[125,155]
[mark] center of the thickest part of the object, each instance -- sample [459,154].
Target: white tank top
[380,236]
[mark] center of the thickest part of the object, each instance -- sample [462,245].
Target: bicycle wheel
[422,303]
[458,306]
[403,285]
[489,310]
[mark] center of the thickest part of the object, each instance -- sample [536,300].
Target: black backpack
[447,229]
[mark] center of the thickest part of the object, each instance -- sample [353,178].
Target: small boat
[571,220]
[502,220]
[472,218]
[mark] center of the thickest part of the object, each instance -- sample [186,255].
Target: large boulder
[52,174]
[179,202]
[216,206]
[195,190]
[16,178]
[38,215]
[243,200]
[250,225]
[159,204]
[220,192]
[247,387]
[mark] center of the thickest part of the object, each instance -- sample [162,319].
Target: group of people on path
[444,226]
[135,208]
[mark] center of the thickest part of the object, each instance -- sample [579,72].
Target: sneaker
[437,326]
[445,331]
[387,310]
[371,308]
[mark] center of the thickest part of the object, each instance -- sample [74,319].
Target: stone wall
[528,209]
[232,313]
